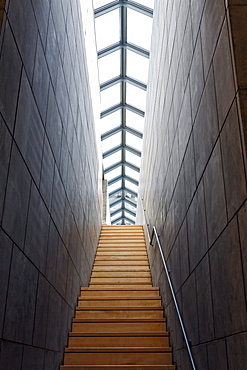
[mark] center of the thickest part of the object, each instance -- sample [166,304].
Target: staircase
[119,320]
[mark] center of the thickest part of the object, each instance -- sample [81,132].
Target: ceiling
[123,35]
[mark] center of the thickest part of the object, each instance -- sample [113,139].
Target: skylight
[123,34]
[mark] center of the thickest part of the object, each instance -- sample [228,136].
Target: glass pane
[111,121]
[127,214]
[132,158]
[107,29]
[114,173]
[111,142]
[110,97]
[115,217]
[128,206]
[137,66]
[148,3]
[118,206]
[133,141]
[135,96]
[132,173]
[109,66]
[115,186]
[111,159]
[141,34]
[131,186]
[99,3]
[134,120]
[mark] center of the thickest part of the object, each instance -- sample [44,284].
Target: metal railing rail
[154,233]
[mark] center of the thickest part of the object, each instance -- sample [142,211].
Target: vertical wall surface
[194,180]
[49,206]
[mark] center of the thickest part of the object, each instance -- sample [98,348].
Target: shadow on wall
[2,6]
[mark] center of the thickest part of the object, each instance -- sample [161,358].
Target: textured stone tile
[62,268]
[223,72]
[212,19]
[187,51]
[49,361]
[22,20]
[59,23]
[238,27]
[204,301]
[184,252]
[196,15]
[200,356]
[217,357]
[58,201]
[6,252]
[51,50]
[5,147]
[41,11]
[197,231]
[61,93]
[10,74]
[215,196]
[54,322]
[37,230]
[206,126]
[196,77]
[229,306]
[237,351]
[41,312]
[11,351]
[40,82]
[20,308]
[53,125]
[189,308]
[242,222]
[233,166]
[29,131]
[17,197]
[47,174]
[33,358]
[189,172]
[51,261]
[185,123]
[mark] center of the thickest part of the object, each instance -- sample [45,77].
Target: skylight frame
[123,194]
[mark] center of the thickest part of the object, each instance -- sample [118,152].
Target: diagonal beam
[122,209]
[126,45]
[122,163]
[129,220]
[130,212]
[116,4]
[115,80]
[116,191]
[130,179]
[131,192]
[112,151]
[133,150]
[116,107]
[115,130]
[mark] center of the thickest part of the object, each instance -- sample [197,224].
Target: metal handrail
[154,232]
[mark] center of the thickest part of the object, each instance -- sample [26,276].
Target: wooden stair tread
[118,367]
[120,334]
[117,349]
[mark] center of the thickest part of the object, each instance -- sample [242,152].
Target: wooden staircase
[119,321]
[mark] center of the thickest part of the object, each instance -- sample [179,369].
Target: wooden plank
[123,274]
[120,280]
[118,302]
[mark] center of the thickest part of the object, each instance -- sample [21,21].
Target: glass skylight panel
[128,206]
[106,72]
[137,66]
[132,173]
[139,35]
[107,29]
[111,121]
[115,186]
[132,158]
[110,97]
[134,120]
[99,3]
[115,217]
[135,96]
[133,141]
[127,214]
[131,186]
[114,173]
[111,159]
[148,3]
[116,207]
[111,142]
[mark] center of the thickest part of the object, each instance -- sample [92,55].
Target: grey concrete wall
[193,181]
[49,210]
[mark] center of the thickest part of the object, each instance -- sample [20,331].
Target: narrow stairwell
[119,321]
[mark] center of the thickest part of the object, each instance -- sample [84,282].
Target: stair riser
[118,274]
[124,314]
[119,293]
[120,303]
[121,268]
[110,327]
[117,358]
[113,263]
[117,280]
[118,342]
[118,367]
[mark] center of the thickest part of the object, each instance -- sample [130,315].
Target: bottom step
[118,367]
